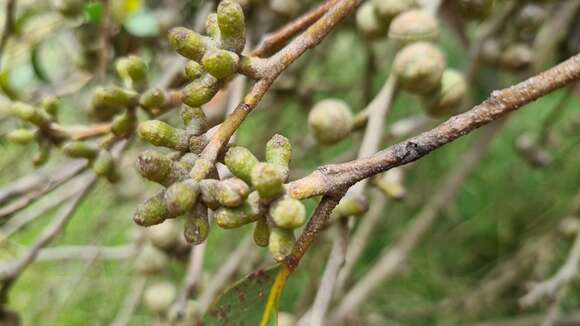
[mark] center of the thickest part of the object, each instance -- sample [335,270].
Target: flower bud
[350,206]
[389,9]
[133,71]
[196,229]
[159,133]
[530,18]
[419,67]
[390,183]
[517,57]
[211,26]
[232,192]
[193,70]
[194,119]
[158,168]
[288,213]
[414,26]
[187,43]
[30,114]
[476,8]
[281,243]
[368,23]
[70,8]
[231,22]
[181,197]
[50,105]
[164,235]
[152,211]
[279,153]
[104,166]
[241,162]
[448,96]
[262,233]
[159,297]
[209,192]
[200,91]
[124,124]
[491,51]
[80,149]
[114,96]
[330,121]
[153,99]
[230,218]
[201,169]
[285,7]
[267,180]
[150,260]
[220,63]
[21,136]
[41,157]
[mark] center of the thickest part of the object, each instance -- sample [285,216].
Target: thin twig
[86,253]
[193,275]
[9,10]
[132,300]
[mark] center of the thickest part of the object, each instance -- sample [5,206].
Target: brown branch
[272,42]
[339,176]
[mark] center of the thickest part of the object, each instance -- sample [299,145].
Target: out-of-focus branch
[9,9]
[86,253]
[131,302]
[194,270]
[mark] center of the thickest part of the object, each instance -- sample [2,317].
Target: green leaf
[143,24]
[94,12]
[251,301]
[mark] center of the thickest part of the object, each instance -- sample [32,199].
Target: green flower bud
[196,229]
[193,70]
[281,243]
[232,192]
[104,166]
[414,26]
[21,136]
[267,180]
[133,71]
[279,153]
[330,121]
[150,260]
[285,7]
[448,96]
[152,211]
[231,22]
[124,124]
[390,183]
[517,57]
[262,233]
[158,168]
[211,26]
[41,157]
[30,114]
[389,9]
[368,23]
[50,105]
[209,193]
[164,235]
[476,8]
[230,218]
[350,206]
[187,43]
[200,91]
[114,96]
[220,63]
[195,120]
[153,99]
[241,162]
[159,133]
[159,297]
[70,8]
[419,67]
[80,149]
[201,169]
[288,213]
[181,197]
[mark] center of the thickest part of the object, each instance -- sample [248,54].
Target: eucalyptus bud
[50,105]
[262,233]
[232,192]
[159,133]
[368,23]
[201,169]
[350,205]
[419,67]
[209,192]
[230,218]
[159,297]
[279,153]
[414,26]
[491,51]
[193,70]
[152,211]
[281,243]
[231,22]
[267,180]
[124,124]
[196,229]
[517,57]
[70,8]
[158,168]
[389,9]
[164,235]
[153,99]
[21,136]
[531,17]
[330,121]
[241,162]
[288,213]
[220,63]
[150,260]
[390,183]
[448,96]
[41,157]
[194,119]
[187,43]
[80,149]
[133,72]
[30,114]
[476,8]
[211,26]
[114,96]
[200,91]
[181,197]
[104,166]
